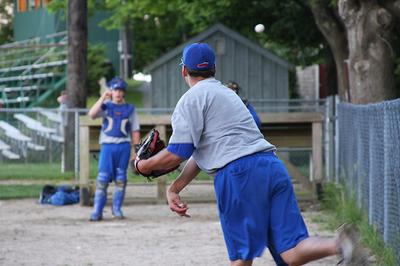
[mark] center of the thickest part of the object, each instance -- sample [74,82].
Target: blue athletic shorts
[257,207]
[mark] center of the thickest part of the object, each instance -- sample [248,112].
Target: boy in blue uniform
[255,198]
[120,128]
[235,87]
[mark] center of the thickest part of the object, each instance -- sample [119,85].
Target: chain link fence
[369,163]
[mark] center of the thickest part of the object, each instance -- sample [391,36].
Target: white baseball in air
[259,28]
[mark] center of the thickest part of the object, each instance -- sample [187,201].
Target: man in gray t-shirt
[207,116]
[257,207]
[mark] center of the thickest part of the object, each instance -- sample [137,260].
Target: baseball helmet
[117,83]
[233,86]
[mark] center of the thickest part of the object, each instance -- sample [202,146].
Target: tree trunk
[77,73]
[334,33]
[369,35]
[331,75]
[77,51]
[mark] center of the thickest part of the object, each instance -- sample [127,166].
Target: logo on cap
[203,65]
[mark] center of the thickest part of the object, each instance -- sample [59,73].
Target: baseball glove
[148,148]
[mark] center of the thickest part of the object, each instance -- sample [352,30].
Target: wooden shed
[261,74]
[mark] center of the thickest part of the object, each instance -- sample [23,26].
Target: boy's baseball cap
[198,56]
[117,83]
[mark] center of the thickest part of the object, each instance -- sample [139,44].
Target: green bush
[98,66]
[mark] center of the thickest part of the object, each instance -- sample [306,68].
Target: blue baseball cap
[198,56]
[117,83]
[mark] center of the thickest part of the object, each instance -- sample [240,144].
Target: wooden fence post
[162,180]
[84,165]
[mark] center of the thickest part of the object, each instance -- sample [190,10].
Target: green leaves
[159,25]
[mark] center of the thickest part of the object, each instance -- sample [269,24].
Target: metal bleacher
[31,136]
[32,70]
[5,151]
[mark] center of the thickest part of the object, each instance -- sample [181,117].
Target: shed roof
[227,31]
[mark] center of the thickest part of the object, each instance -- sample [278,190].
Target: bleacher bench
[13,133]
[18,89]
[16,100]
[3,145]
[52,116]
[26,77]
[34,66]
[57,138]
[6,152]
[34,124]
[10,155]
[35,147]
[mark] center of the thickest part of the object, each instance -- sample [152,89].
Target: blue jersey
[253,114]
[119,120]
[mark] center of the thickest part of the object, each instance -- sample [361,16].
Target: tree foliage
[6,30]
[98,67]
[303,32]
[161,25]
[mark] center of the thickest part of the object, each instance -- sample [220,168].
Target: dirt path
[33,234]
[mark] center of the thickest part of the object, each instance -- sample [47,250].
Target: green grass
[32,171]
[342,208]
[19,191]
[52,172]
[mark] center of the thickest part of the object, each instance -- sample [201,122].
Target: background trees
[358,41]
[365,33]
[6,21]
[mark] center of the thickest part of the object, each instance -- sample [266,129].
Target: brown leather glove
[150,147]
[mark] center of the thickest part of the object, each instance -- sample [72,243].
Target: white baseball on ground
[259,28]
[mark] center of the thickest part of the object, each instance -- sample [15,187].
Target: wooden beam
[306,117]
[144,119]
[162,180]
[266,118]
[84,165]
[317,151]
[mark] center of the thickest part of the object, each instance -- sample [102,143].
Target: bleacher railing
[30,68]
[288,105]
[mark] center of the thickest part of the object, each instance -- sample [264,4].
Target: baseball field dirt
[34,234]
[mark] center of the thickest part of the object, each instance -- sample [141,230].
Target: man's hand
[176,205]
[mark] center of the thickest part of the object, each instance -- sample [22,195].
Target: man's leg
[309,249]
[242,263]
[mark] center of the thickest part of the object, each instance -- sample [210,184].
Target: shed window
[220,46]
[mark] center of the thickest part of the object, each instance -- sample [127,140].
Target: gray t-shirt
[215,120]
[134,122]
